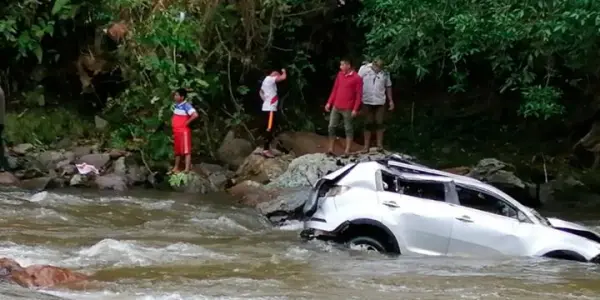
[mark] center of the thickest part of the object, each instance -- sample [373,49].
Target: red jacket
[347,91]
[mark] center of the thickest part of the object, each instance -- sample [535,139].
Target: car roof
[403,167]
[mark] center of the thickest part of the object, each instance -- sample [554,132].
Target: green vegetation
[509,79]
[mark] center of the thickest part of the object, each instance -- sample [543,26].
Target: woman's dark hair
[182,92]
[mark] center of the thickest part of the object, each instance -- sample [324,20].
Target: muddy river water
[151,245]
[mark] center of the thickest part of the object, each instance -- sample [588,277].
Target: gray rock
[22,149]
[233,151]
[36,184]
[119,166]
[286,203]
[48,159]
[195,184]
[77,180]
[13,162]
[100,123]
[305,170]
[65,167]
[7,178]
[97,160]
[80,151]
[133,172]
[111,182]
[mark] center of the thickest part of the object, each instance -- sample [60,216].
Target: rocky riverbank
[276,187]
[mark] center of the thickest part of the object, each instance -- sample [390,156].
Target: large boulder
[258,168]
[252,193]
[307,169]
[194,183]
[233,150]
[7,178]
[98,160]
[217,175]
[111,182]
[301,143]
[128,168]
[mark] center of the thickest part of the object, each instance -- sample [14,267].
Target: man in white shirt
[377,90]
[268,94]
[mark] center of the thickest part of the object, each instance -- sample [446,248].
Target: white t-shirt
[269,93]
[374,85]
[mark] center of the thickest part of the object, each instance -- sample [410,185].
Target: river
[153,245]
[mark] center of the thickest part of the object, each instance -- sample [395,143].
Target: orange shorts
[182,142]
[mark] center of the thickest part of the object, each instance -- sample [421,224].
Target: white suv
[397,206]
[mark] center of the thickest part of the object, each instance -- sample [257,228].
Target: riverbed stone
[218,176]
[36,184]
[48,159]
[77,180]
[7,178]
[251,193]
[258,168]
[12,162]
[98,160]
[286,205]
[22,149]
[302,143]
[195,184]
[80,151]
[111,182]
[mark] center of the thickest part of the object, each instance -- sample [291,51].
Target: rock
[307,169]
[286,205]
[251,193]
[111,182]
[100,123]
[12,162]
[65,167]
[77,180]
[48,159]
[36,184]
[22,149]
[116,153]
[195,184]
[217,175]
[301,143]
[97,160]
[64,143]
[29,173]
[233,151]
[134,173]
[7,178]
[258,168]
[80,151]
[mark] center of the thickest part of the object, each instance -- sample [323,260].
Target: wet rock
[550,191]
[111,182]
[233,151]
[77,180]
[117,153]
[97,160]
[194,183]
[7,178]
[64,143]
[36,184]
[286,205]
[301,143]
[217,175]
[258,168]
[251,193]
[29,173]
[307,169]
[22,149]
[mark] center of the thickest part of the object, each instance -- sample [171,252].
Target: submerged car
[396,206]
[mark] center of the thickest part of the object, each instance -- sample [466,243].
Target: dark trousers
[270,128]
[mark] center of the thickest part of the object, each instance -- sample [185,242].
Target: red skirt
[182,142]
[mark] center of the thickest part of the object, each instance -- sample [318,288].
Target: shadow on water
[155,245]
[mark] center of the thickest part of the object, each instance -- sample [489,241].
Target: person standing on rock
[377,90]
[183,114]
[270,100]
[2,117]
[344,102]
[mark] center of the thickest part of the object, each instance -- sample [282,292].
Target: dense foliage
[541,56]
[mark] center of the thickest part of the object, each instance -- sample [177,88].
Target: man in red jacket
[344,101]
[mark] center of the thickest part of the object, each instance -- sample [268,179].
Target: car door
[418,212]
[484,225]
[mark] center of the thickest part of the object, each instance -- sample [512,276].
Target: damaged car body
[396,206]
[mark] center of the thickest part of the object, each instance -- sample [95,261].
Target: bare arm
[281,77]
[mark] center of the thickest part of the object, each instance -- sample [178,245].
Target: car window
[421,189]
[485,202]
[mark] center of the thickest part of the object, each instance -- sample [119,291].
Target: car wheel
[365,243]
